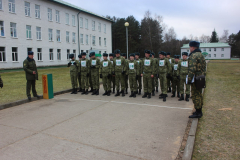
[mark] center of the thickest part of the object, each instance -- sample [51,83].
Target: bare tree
[224,37]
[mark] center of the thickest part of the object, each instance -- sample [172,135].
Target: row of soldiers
[117,71]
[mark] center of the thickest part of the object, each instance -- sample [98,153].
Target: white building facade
[214,50]
[52,30]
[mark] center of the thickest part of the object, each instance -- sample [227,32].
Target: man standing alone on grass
[30,68]
[196,67]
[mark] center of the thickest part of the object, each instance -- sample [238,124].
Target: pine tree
[214,37]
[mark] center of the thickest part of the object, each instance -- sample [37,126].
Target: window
[2,54]
[28,32]
[81,38]
[57,16]
[81,22]
[14,54]
[209,55]
[29,49]
[58,54]
[50,34]
[215,55]
[2,28]
[74,52]
[67,18]
[11,5]
[51,54]
[27,9]
[222,49]
[49,14]
[93,40]
[209,49]
[58,36]
[86,39]
[0,4]
[99,41]
[74,37]
[39,35]
[204,49]
[13,29]
[215,49]
[93,25]
[222,55]
[39,54]
[105,42]
[73,20]
[86,23]
[37,11]
[99,27]
[68,53]
[105,29]
[67,36]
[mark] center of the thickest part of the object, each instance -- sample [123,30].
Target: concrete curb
[12,104]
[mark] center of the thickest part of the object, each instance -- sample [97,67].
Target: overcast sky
[187,17]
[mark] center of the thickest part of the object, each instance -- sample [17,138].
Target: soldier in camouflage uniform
[105,74]
[139,79]
[164,70]
[125,76]
[119,70]
[175,80]
[169,80]
[84,70]
[196,67]
[90,77]
[74,72]
[112,76]
[1,82]
[148,71]
[94,67]
[79,75]
[133,72]
[30,68]
[155,78]
[182,73]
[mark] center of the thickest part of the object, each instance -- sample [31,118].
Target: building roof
[209,45]
[78,8]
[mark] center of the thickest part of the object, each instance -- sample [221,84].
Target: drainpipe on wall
[78,33]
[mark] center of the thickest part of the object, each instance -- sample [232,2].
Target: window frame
[93,25]
[50,18]
[86,23]
[38,12]
[105,42]
[73,37]
[86,39]
[14,29]
[105,28]
[58,34]
[100,41]
[81,22]
[99,27]
[50,33]
[57,12]
[81,39]
[67,18]
[39,54]
[51,54]
[2,26]
[67,36]
[3,54]
[73,20]
[12,6]
[59,55]
[94,40]
[27,8]
[14,55]
[1,8]
[38,33]
[29,32]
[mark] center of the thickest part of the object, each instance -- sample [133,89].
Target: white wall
[22,43]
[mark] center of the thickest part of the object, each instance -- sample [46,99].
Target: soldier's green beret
[71,55]
[185,53]
[83,54]
[110,54]
[147,51]
[194,44]
[79,56]
[117,51]
[132,54]
[153,53]
[30,53]
[105,55]
[168,53]
[137,53]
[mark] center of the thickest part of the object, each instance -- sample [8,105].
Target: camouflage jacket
[29,65]
[106,67]
[84,65]
[94,62]
[148,66]
[133,68]
[139,61]
[175,69]
[73,67]
[196,64]
[183,68]
[119,64]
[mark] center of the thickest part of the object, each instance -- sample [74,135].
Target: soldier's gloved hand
[87,74]
[178,77]
[69,64]
[136,77]
[1,85]
[79,73]
[100,75]
[109,76]
[113,73]
[123,72]
[75,63]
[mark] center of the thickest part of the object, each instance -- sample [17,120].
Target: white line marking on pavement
[128,103]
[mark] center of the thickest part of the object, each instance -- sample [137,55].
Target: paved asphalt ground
[94,127]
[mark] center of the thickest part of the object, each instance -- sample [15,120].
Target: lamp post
[126,25]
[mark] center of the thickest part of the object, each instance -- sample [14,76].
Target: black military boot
[178,95]
[160,96]
[29,98]
[109,92]
[73,90]
[145,95]
[123,94]
[187,97]
[156,89]
[97,92]
[131,95]
[80,90]
[86,92]
[134,94]
[93,92]
[91,89]
[173,94]
[83,91]
[37,96]
[164,98]
[126,91]
[104,94]
[149,95]
[153,93]
[197,114]
[181,98]
[118,94]
[139,92]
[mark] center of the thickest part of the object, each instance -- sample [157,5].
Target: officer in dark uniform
[30,68]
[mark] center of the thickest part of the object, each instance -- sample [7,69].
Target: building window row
[210,49]
[93,40]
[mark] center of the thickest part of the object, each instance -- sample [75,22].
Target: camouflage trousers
[139,82]
[154,82]
[73,76]
[147,82]
[175,84]
[119,80]
[95,79]
[84,80]
[133,82]
[106,82]
[79,80]
[31,84]
[163,82]
[182,83]
[197,97]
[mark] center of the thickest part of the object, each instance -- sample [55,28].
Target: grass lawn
[218,133]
